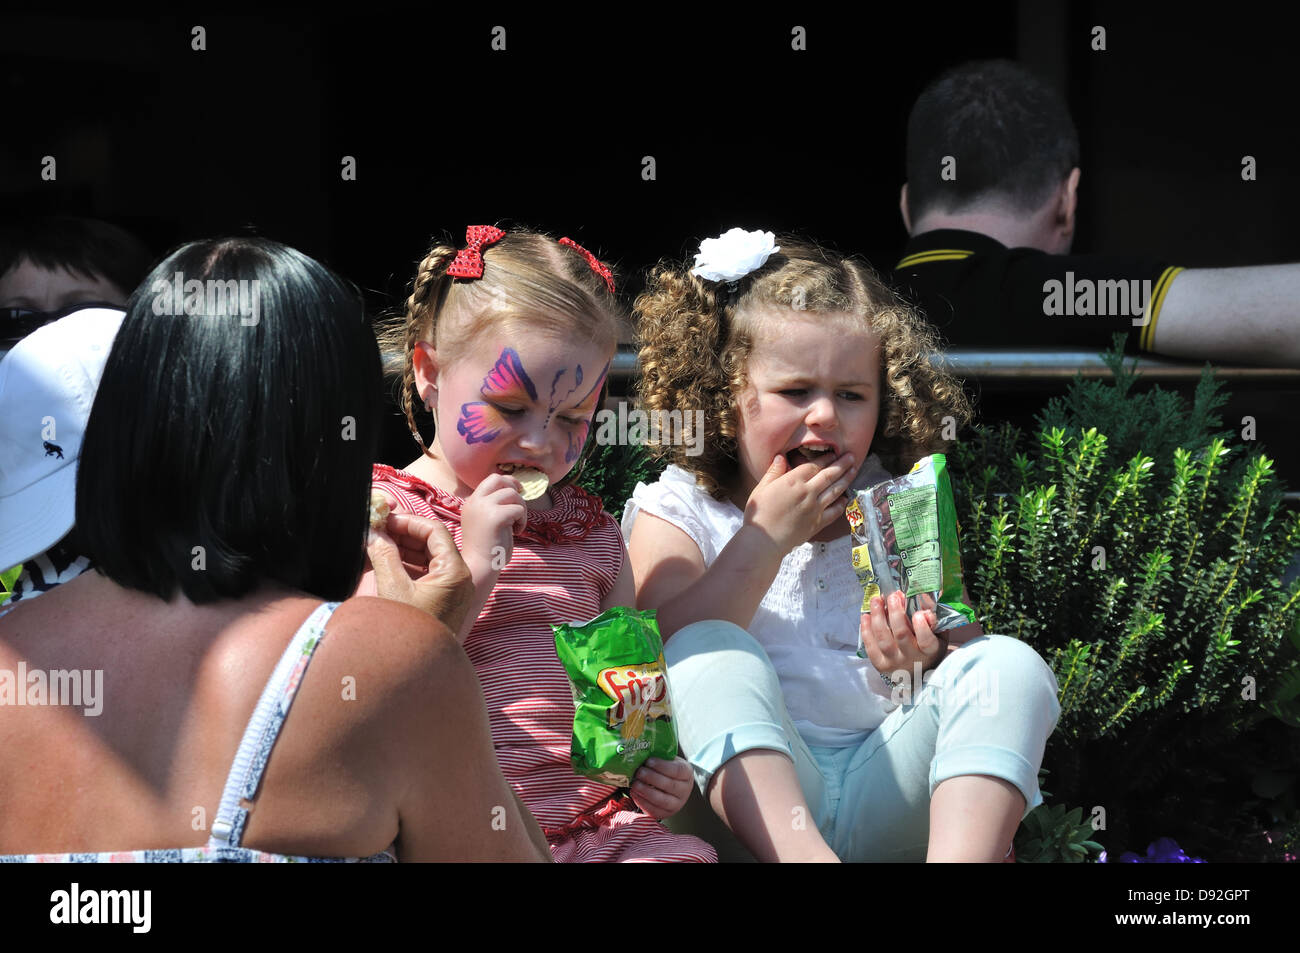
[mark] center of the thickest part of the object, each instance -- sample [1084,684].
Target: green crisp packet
[622,710]
[905,538]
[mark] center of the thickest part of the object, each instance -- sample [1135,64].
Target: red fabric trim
[575,515]
[598,816]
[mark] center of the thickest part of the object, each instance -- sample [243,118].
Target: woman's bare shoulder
[396,643]
[365,612]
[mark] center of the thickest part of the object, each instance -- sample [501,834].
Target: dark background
[176,144]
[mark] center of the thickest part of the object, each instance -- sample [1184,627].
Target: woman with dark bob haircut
[222,495]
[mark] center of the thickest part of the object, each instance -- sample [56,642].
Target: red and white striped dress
[564,563]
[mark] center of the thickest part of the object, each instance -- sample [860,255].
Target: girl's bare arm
[672,578]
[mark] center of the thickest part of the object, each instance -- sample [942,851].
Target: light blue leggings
[987,709]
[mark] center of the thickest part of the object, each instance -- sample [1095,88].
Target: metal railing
[1025,365]
[1053,365]
[991,366]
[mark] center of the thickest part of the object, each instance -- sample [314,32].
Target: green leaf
[1149,649]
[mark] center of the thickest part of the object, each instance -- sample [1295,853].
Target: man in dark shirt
[990,204]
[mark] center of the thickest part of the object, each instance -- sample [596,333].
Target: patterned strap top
[245,774]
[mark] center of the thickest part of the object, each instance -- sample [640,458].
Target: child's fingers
[496,482]
[899,624]
[652,778]
[678,768]
[834,511]
[838,474]
[931,644]
[882,621]
[661,802]
[926,640]
[836,491]
[868,640]
[882,637]
[513,491]
[775,471]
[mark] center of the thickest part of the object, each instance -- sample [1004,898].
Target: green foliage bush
[1141,554]
[1053,835]
[612,472]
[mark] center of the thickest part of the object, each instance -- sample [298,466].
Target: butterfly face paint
[480,421]
[578,437]
[505,420]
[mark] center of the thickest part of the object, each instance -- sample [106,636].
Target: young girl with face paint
[508,344]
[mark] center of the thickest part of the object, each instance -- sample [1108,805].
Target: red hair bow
[593,261]
[469,260]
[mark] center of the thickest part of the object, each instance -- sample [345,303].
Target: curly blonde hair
[695,338]
[529,280]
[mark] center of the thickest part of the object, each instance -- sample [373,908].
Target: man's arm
[1232,316]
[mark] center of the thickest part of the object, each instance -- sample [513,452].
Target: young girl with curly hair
[507,343]
[814,379]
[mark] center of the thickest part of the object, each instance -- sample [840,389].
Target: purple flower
[1163,851]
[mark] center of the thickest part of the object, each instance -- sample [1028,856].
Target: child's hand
[491,516]
[662,788]
[792,506]
[892,643]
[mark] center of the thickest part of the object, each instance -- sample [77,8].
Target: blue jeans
[986,709]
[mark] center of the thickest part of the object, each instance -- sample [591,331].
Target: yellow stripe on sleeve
[1146,340]
[936,254]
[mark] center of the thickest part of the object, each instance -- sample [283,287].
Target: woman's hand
[792,506]
[416,562]
[662,788]
[893,643]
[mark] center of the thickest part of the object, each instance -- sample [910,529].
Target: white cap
[47,385]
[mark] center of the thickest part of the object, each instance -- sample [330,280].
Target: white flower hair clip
[733,255]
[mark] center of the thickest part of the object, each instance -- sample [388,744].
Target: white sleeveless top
[808,620]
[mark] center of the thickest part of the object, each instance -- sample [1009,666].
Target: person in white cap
[47,385]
